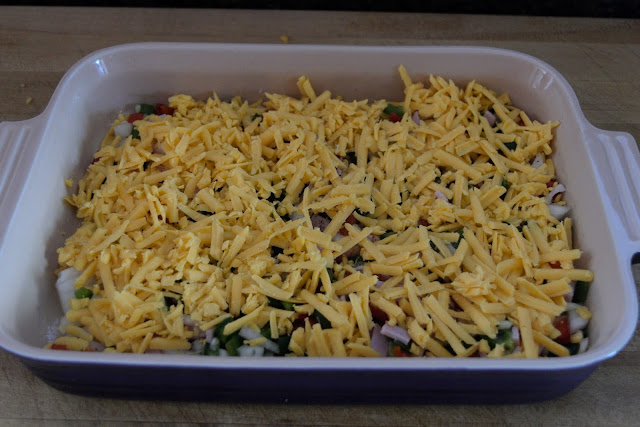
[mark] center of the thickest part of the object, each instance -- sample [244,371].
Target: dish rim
[42,122]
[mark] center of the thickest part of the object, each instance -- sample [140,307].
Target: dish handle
[617,161]
[18,145]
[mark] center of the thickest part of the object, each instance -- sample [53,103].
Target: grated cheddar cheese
[302,224]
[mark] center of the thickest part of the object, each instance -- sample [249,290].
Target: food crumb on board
[284,38]
[29,100]
[68,182]
[22,85]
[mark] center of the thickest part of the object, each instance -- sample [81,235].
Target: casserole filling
[314,226]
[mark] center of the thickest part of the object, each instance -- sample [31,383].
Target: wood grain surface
[599,57]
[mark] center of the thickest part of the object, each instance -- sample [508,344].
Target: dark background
[587,8]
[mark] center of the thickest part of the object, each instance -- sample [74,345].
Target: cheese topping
[434,217]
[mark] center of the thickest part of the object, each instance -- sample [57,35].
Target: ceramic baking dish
[601,170]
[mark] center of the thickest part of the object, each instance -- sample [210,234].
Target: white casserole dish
[600,169]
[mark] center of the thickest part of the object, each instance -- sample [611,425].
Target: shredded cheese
[232,213]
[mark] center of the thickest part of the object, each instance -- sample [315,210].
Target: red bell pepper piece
[398,352]
[58,347]
[562,325]
[394,117]
[378,314]
[164,109]
[135,116]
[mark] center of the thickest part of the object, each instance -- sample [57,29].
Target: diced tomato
[164,109]
[562,325]
[135,116]
[350,220]
[378,314]
[59,347]
[299,322]
[423,222]
[551,183]
[96,160]
[555,264]
[394,117]
[398,352]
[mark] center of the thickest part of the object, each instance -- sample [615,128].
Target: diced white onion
[188,321]
[505,324]
[250,351]
[214,343]
[583,345]
[197,346]
[138,107]
[157,149]
[378,341]
[537,161]
[569,296]
[558,211]
[395,333]
[248,333]
[515,334]
[450,247]
[65,286]
[416,118]
[571,306]
[359,268]
[576,322]
[319,221]
[373,238]
[491,118]
[96,346]
[208,335]
[557,189]
[223,353]
[271,346]
[123,129]
[379,283]
[440,195]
